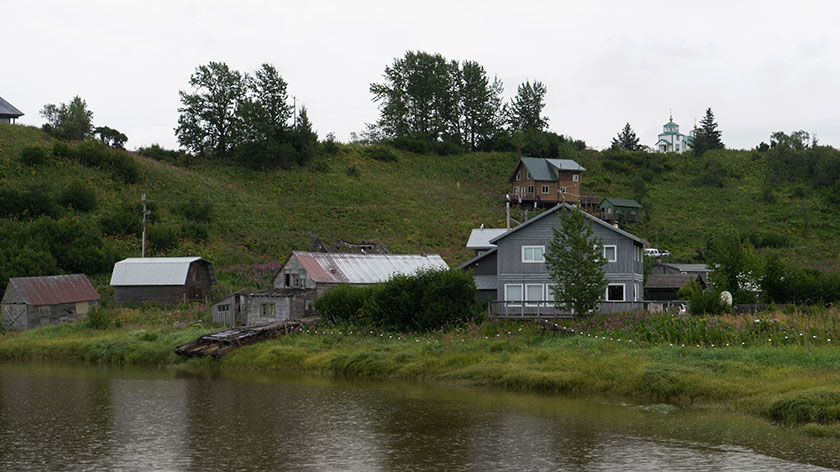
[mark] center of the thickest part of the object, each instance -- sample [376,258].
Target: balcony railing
[507,309]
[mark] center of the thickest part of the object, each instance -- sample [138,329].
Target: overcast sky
[761,66]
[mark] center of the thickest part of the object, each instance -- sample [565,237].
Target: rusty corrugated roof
[54,289]
[364,268]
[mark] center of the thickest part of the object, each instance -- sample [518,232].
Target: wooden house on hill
[8,113]
[30,302]
[620,210]
[546,181]
[162,279]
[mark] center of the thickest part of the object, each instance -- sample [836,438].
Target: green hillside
[420,203]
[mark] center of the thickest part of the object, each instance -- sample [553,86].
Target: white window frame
[533,261]
[615,252]
[545,189]
[515,189]
[623,293]
[521,295]
[530,189]
[541,298]
[549,295]
[575,177]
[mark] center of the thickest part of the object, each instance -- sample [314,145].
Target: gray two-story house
[515,277]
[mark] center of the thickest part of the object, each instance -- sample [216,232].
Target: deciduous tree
[72,121]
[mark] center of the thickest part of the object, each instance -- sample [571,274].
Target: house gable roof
[359,268]
[8,110]
[54,289]
[543,169]
[671,281]
[687,267]
[477,258]
[480,237]
[621,202]
[139,271]
[570,207]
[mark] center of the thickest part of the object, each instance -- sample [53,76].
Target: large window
[513,293]
[615,292]
[610,253]
[545,189]
[530,189]
[533,293]
[533,253]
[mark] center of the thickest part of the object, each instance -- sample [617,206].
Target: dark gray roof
[622,202]
[478,257]
[674,281]
[8,110]
[543,169]
[689,267]
[566,205]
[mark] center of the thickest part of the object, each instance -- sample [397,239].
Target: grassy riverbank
[793,384]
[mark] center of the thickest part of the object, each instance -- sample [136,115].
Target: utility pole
[143,201]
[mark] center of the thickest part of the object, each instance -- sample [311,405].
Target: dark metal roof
[622,202]
[8,110]
[54,289]
[570,207]
[674,281]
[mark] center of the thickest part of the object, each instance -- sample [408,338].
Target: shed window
[267,310]
[610,253]
[533,253]
[223,308]
[545,189]
[575,177]
[615,293]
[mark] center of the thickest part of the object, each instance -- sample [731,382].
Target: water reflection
[89,418]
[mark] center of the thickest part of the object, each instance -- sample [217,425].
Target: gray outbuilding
[8,113]
[163,279]
[30,302]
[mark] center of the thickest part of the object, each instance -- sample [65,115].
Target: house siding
[626,270]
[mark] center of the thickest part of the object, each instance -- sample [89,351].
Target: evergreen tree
[575,261]
[627,140]
[209,118]
[711,135]
[304,138]
[525,109]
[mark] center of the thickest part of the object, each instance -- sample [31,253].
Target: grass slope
[429,203]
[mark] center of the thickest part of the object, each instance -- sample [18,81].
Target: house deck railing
[506,309]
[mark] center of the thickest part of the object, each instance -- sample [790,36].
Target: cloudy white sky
[760,65]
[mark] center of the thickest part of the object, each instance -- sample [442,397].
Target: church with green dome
[671,140]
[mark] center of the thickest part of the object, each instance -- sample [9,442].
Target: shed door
[14,317]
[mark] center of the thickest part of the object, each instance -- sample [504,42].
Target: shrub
[820,405]
[415,145]
[701,302]
[30,202]
[353,170]
[329,145]
[321,166]
[99,319]
[446,148]
[61,149]
[33,155]
[380,153]
[162,238]
[196,210]
[91,154]
[155,151]
[124,167]
[343,303]
[124,219]
[194,231]
[79,196]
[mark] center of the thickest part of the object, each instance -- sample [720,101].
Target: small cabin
[620,210]
[666,287]
[30,302]
[163,279]
[546,181]
[8,113]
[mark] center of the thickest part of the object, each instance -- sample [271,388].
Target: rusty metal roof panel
[54,289]
[365,268]
[154,271]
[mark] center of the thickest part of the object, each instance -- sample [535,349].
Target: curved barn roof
[155,271]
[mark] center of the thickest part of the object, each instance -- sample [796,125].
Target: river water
[79,417]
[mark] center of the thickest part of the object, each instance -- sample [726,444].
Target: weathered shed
[30,302]
[264,306]
[620,209]
[163,279]
[665,287]
[8,113]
